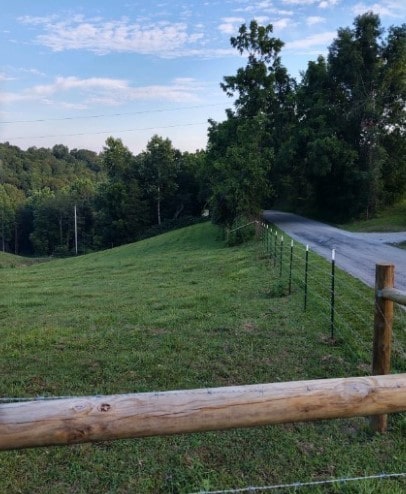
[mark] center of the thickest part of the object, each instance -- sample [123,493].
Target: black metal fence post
[306,274]
[332,304]
[290,267]
[276,246]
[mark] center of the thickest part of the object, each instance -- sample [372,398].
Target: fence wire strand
[298,485]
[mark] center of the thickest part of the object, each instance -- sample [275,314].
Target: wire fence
[313,483]
[343,306]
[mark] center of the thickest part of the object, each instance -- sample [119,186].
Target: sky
[75,72]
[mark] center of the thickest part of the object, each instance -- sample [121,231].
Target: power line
[102,115]
[108,131]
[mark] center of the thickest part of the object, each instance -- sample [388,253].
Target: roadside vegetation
[182,311]
[390,219]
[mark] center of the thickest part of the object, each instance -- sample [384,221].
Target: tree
[239,167]
[190,195]
[158,167]
[241,150]
[11,200]
[121,211]
[370,98]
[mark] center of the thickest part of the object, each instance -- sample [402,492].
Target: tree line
[118,197]
[331,145]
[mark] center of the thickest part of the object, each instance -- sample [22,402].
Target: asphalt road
[356,253]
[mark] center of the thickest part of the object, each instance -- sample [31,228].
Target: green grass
[181,311]
[391,219]
[11,261]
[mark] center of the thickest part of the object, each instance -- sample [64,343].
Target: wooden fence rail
[78,420]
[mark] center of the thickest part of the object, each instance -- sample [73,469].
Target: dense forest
[118,197]
[331,145]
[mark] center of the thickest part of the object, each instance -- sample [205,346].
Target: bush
[242,230]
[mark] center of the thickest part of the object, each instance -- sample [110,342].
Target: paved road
[356,253]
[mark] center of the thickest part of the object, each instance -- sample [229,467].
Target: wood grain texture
[383,323]
[78,420]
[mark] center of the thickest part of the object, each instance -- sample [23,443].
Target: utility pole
[76,231]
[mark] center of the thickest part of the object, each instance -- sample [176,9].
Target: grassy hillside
[180,311]
[391,219]
[11,261]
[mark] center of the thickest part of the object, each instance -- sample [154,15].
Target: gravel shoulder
[356,253]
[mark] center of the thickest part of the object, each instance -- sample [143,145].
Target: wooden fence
[87,419]
[78,420]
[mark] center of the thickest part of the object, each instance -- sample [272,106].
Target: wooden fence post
[383,322]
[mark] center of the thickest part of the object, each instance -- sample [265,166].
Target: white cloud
[281,24]
[4,77]
[36,20]
[314,19]
[300,2]
[101,37]
[264,6]
[325,4]
[233,19]
[388,9]
[91,91]
[34,72]
[262,19]
[317,40]
[230,25]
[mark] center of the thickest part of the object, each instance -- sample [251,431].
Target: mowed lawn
[178,311]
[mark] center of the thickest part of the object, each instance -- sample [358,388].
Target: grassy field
[181,311]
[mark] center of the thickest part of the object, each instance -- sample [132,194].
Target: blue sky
[75,72]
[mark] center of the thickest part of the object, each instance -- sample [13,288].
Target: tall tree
[239,168]
[121,212]
[247,142]
[368,96]
[158,167]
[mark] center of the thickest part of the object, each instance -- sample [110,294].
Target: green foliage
[241,150]
[364,72]
[158,169]
[169,225]
[120,210]
[240,177]
[114,193]
[333,145]
[242,230]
